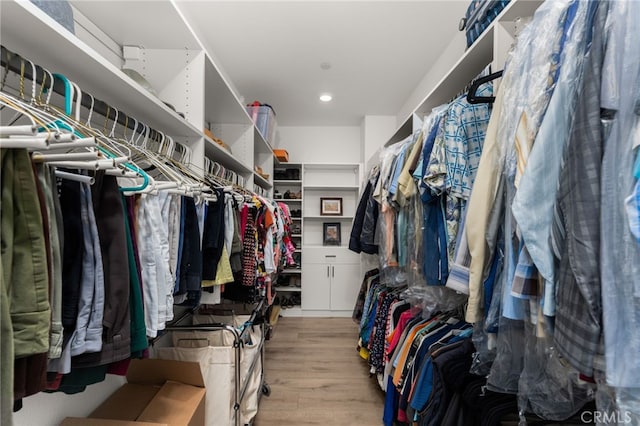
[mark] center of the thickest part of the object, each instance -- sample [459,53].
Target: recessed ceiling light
[325,65]
[325,97]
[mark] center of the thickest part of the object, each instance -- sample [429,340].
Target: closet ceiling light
[325,97]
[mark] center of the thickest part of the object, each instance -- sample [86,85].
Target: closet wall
[329,144]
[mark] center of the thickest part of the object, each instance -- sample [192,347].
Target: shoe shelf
[288,289]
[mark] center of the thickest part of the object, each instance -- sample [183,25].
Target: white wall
[308,144]
[376,130]
[439,68]
[49,409]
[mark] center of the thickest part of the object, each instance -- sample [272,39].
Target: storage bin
[281,154]
[265,119]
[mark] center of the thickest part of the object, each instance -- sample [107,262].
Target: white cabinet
[345,285]
[330,278]
[317,287]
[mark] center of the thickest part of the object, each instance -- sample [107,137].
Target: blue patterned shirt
[465,128]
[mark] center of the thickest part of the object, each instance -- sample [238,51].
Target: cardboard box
[281,154]
[157,393]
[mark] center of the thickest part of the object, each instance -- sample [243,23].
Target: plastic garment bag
[620,254]
[548,386]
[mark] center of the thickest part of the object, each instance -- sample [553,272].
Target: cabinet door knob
[327,272]
[333,271]
[329,255]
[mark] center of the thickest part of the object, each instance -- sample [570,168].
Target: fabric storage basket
[251,351]
[215,353]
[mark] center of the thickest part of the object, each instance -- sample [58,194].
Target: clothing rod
[99,107]
[27,130]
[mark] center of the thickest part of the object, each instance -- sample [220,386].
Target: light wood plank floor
[317,377]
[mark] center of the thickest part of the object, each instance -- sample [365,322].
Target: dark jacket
[364,223]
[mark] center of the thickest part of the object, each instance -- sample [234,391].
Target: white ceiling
[379,51]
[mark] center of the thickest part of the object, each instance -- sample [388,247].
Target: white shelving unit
[171,58]
[332,187]
[328,217]
[329,292]
[330,274]
[288,289]
[293,183]
[175,63]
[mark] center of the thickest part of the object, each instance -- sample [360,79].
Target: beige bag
[215,352]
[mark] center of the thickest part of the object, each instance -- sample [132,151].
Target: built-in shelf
[328,217]
[288,289]
[297,251]
[518,9]
[283,164]
[318,246]
[86,67]
[330,166]
[291,271]
[262,145]
[331,187]
[296,235]
[286,181]
[217,153]
[260,181]
[470,64]
[294,311]
[289,200]
[296,218]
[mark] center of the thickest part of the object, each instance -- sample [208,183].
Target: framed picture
[330,206]
[331,235]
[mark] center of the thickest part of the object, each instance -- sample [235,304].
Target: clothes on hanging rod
[110,262]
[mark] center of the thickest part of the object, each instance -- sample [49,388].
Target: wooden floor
[317,377]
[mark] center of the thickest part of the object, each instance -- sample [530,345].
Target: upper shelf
[84,66]
[133,23]
[331,166]
[221,104]
[474,60]
[332,187]
[261,144]
[260,181]
[217,153]
[470,64]
[128,23]
[287,182]
[519,9]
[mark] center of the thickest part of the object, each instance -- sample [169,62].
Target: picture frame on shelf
[331,235]
[330,206]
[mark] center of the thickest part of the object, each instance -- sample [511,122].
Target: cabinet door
[345,284]
[316,286]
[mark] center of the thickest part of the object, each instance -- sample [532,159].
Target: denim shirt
[620,254]
[532,208]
